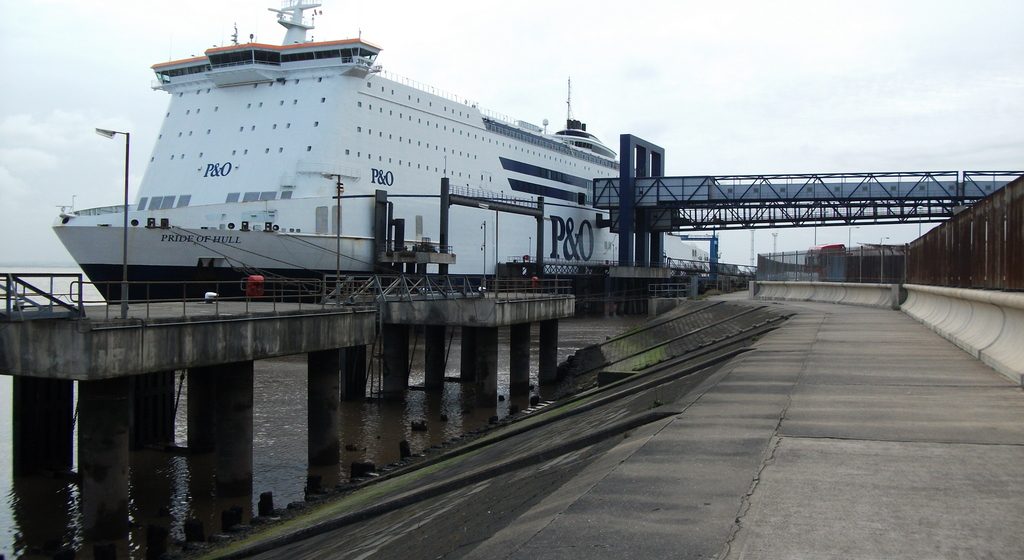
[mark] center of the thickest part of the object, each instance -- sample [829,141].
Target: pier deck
[847,433]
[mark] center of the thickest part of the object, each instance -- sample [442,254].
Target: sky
[725,87]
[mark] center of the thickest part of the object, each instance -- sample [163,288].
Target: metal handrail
[380,288]
[24,300]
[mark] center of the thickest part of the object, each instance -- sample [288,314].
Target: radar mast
[290,16]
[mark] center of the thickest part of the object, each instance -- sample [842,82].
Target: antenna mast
[568,102]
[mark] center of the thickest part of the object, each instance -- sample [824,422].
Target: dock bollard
[194,531]
[265,508]
[230,518]
[156,542]
[104,551]
[360,469]
[313,483]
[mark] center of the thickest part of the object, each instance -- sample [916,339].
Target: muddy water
[39,515]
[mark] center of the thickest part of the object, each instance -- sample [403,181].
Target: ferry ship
[258,140]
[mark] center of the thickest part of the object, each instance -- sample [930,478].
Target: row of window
[429,103]
[257,196]
[547,143]
[196,69]
[419,143]
[245,152]
[163,202]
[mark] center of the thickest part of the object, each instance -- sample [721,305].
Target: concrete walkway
[848,433]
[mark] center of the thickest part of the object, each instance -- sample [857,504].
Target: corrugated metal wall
[982,247]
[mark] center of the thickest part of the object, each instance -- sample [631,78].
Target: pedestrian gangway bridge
[798,200]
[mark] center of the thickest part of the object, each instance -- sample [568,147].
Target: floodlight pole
[339,189]
[124,239]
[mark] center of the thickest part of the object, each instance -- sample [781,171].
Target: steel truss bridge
[726,202]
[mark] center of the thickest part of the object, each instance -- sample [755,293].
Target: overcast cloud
[737,87]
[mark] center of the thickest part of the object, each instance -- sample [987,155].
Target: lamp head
[107,133]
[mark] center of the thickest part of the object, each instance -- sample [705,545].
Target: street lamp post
[483,247]
[339,189]
[881,255]
[849,236]
[124,238]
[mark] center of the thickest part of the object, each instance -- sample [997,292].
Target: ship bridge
[258,62]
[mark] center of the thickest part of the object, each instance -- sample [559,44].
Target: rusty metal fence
[981,247]
[883,264]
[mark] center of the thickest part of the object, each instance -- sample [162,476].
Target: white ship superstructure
[243,174]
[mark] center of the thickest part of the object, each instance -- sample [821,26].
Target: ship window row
[401,139]
[209,131]
[163,202]
[245,152]
[445,108]
[259,105]
[257,196]
[419,120]
[427,166]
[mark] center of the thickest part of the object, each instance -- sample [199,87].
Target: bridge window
[142,203]
[232,197]
[183,200]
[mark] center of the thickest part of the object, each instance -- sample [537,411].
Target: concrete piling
[233,428]
[103,412]
[152,405]
[353,373]
[486,360]
[42,424]
[467,365]
[519,358]
[323,398]
[396,360]
[202,394]
[548,359]
[434,357]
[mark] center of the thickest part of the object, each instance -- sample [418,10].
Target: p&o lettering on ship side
[576,244]
[218,169]
[193,238]
[382,177]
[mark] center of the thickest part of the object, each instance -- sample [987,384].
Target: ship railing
[379,288]
[99,211]
[426,88]
[214,298]
[669,290]
[30,296]
[417,247]
[470,192]
[220,65]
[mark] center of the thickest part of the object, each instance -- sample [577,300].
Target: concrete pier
[486,366]
[548,358]
[42,424]
[467,364]
[353,373]
[103,413]
[323,400]
[202,394]
[396,360]
[233,428]
[434,352]
[152,405]
[519,358]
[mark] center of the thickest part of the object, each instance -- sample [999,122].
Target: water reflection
[40,515]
